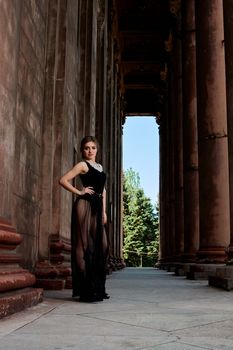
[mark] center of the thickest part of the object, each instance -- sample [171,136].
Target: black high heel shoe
[90,298]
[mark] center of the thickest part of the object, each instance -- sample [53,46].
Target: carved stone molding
[174,7]
[15,282]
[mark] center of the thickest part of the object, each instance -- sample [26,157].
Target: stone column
[163,185]
[228,13]
[101,82]
[87,66]
[90,68]
[81,43]
[190,148]
[178,148]
[212,132]
[51,138]
[109,109]
[170,170]
[101,77]
[53,248]
[15,282]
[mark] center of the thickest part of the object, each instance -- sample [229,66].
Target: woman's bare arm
[80,168]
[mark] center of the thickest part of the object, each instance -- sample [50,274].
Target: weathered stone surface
[45,269]
[52,276]
[226,271]
[9,238]
[13,278]
[221,282]
[202,271]
[16,281]
[223,278]
[17,301]
[54,284]
[10,258]
[212,132]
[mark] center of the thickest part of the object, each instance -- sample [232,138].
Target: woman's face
[89,151]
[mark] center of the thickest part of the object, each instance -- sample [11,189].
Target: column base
[212,255]
[15,278]
[189,258]
[223,278]
[11,302]
[183,268]
[230,254]
[52,277]
[16,292]
[115,263]
[202,271]
[54,274]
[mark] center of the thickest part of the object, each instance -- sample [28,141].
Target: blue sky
[141,152]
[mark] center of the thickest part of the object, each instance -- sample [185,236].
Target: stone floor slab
[148,309]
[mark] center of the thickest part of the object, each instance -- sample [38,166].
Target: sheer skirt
[89,248]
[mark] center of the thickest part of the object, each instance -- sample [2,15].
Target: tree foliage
[140,223]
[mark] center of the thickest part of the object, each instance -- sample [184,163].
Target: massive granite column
[87,66]
[228,13]
[58,151]
[212,132]
[178,147]
[224,275]
[170,170]
[101,75]
[190,147]
[18,130]
[163,186]
[90,68]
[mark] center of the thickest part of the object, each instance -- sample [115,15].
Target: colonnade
[196,138]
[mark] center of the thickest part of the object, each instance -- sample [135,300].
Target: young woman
[88,236]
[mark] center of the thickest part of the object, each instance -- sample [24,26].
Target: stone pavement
[148,309]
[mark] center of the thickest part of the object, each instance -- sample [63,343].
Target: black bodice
[94,178]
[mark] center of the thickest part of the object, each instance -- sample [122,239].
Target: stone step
[202,271]
[18,300]
[221,282]
[223,278]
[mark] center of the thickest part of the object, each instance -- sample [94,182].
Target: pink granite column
[178,148]
[163,187]
[212,132]
[170,170]
[190,147]
[15,281]
[54,240]
[228,12]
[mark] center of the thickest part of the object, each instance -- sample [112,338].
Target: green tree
[140,223]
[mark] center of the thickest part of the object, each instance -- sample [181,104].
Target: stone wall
[29,117]
[9,24]
[58,83]
[22,89]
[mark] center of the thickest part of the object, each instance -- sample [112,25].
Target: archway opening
[140,191]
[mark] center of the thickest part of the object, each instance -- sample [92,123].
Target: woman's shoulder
[82,167]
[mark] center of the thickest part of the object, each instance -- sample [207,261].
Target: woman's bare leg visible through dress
[88,254]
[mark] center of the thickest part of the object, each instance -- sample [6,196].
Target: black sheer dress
[89,240]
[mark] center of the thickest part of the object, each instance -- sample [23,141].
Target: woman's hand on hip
[88,190]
